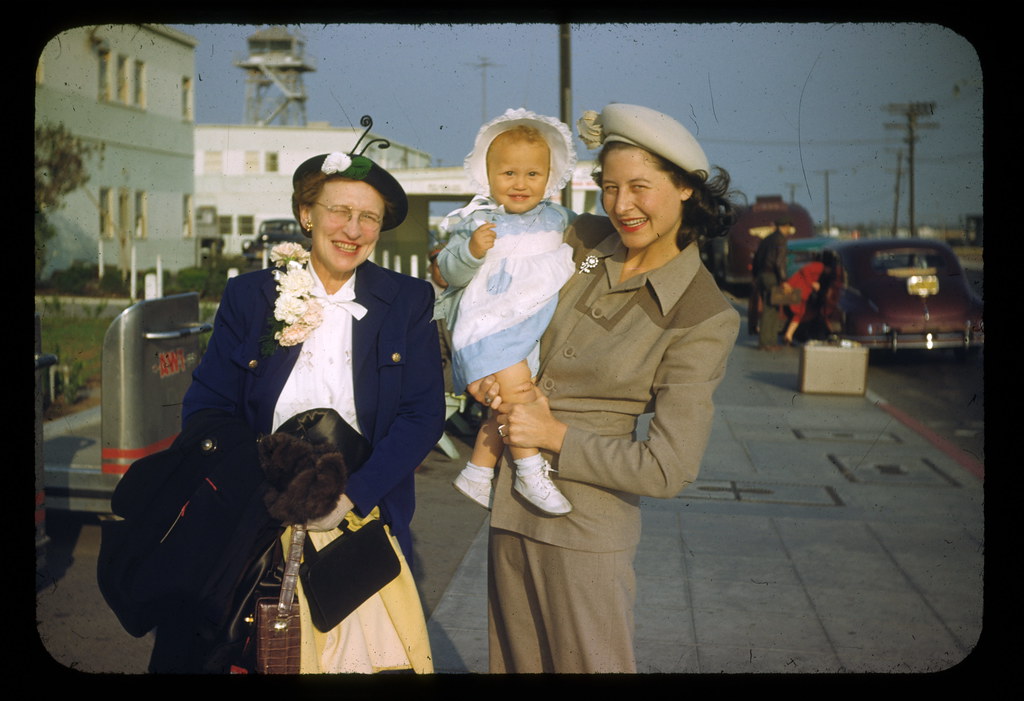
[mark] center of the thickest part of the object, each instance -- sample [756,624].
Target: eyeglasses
[342,214]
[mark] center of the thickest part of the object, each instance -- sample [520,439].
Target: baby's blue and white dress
[498,307]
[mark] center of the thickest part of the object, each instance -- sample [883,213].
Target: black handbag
[346,572]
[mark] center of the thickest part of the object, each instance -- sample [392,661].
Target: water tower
[273,84]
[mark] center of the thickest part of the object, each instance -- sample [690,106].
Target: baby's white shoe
[470,484]
[539,490]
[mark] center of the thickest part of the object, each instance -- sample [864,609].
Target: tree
[59,169]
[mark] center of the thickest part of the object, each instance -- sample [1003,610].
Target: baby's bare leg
[519,384]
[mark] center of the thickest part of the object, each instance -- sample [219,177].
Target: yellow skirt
[387,632]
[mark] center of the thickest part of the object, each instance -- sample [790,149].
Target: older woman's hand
[330,521]
[532,425]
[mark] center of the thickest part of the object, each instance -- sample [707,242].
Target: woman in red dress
[807,280]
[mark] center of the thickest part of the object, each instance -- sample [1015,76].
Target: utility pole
[911,111]
[828,215]
[565,95]
[896,196]
[483,65]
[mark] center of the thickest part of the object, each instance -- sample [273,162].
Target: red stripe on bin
[118,460]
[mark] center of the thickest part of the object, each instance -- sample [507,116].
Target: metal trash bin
[148,355]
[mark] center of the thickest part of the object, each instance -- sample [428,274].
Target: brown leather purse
[278,635]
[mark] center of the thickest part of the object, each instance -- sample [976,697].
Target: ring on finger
[501,430]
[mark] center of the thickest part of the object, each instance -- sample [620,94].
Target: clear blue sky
[777,105]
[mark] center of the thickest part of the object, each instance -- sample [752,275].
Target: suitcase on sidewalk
[829,368]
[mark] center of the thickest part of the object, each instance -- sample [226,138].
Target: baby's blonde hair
[520,133]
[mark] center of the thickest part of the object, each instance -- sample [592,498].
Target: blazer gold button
[395,357]
[253,364]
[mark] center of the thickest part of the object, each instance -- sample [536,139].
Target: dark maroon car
[902,293]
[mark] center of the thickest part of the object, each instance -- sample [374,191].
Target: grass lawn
[78,344]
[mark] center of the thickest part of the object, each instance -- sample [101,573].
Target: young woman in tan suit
[640,329]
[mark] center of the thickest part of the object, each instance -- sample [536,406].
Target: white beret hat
[646,128]
[555,133]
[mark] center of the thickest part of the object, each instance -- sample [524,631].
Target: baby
[505,262]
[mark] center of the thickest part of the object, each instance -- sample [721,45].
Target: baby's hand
[482,240]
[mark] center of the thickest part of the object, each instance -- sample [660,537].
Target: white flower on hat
[589,126]
[336,162]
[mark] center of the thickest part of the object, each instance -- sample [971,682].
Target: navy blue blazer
[397,376]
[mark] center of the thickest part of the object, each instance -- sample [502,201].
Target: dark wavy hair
[710,210]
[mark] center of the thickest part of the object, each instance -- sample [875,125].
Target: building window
[123,79]
[224,225]
[187,227]
[124,218]
[186,98]
[139,85]
[252,161]
[271,161]
[141,219]
[104,75]
[213,162]
[246,225]
[106,213]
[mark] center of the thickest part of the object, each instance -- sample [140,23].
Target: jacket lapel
[374,290]
[275,368]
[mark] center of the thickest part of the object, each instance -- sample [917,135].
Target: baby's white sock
[529,465]
[475,472]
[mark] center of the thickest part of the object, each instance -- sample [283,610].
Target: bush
[74,280]
[189,280]
[112,284]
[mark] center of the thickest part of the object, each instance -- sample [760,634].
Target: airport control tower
[274,92]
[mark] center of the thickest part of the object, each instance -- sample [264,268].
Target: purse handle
[291,576]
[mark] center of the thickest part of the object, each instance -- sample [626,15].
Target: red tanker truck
[729,257]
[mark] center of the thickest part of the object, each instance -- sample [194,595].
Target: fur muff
[305,479]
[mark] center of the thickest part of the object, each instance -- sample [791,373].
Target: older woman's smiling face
[346,227]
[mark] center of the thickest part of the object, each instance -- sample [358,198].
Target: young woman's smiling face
[642,201]
[517,172]
[346,222]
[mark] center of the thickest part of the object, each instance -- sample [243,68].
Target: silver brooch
[588,264]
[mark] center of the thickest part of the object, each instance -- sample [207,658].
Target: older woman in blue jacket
[329,328]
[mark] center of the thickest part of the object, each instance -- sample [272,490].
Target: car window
[910,261]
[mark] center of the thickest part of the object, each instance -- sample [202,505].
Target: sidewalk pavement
[822,535]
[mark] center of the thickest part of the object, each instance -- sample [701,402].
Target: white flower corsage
[336,162]
[589,126]
[588,264]
[296,313]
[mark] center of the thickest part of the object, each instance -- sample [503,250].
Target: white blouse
[322,376]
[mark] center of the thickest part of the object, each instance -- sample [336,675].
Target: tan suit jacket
[655,343]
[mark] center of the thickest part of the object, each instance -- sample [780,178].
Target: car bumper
[936,340]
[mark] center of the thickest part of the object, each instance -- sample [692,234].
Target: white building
[243,174]
[164,187]
[127,89]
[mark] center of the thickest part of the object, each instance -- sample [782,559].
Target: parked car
[902,293]
[271,233]
[800,252]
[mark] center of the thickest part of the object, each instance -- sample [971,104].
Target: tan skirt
[387,632]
